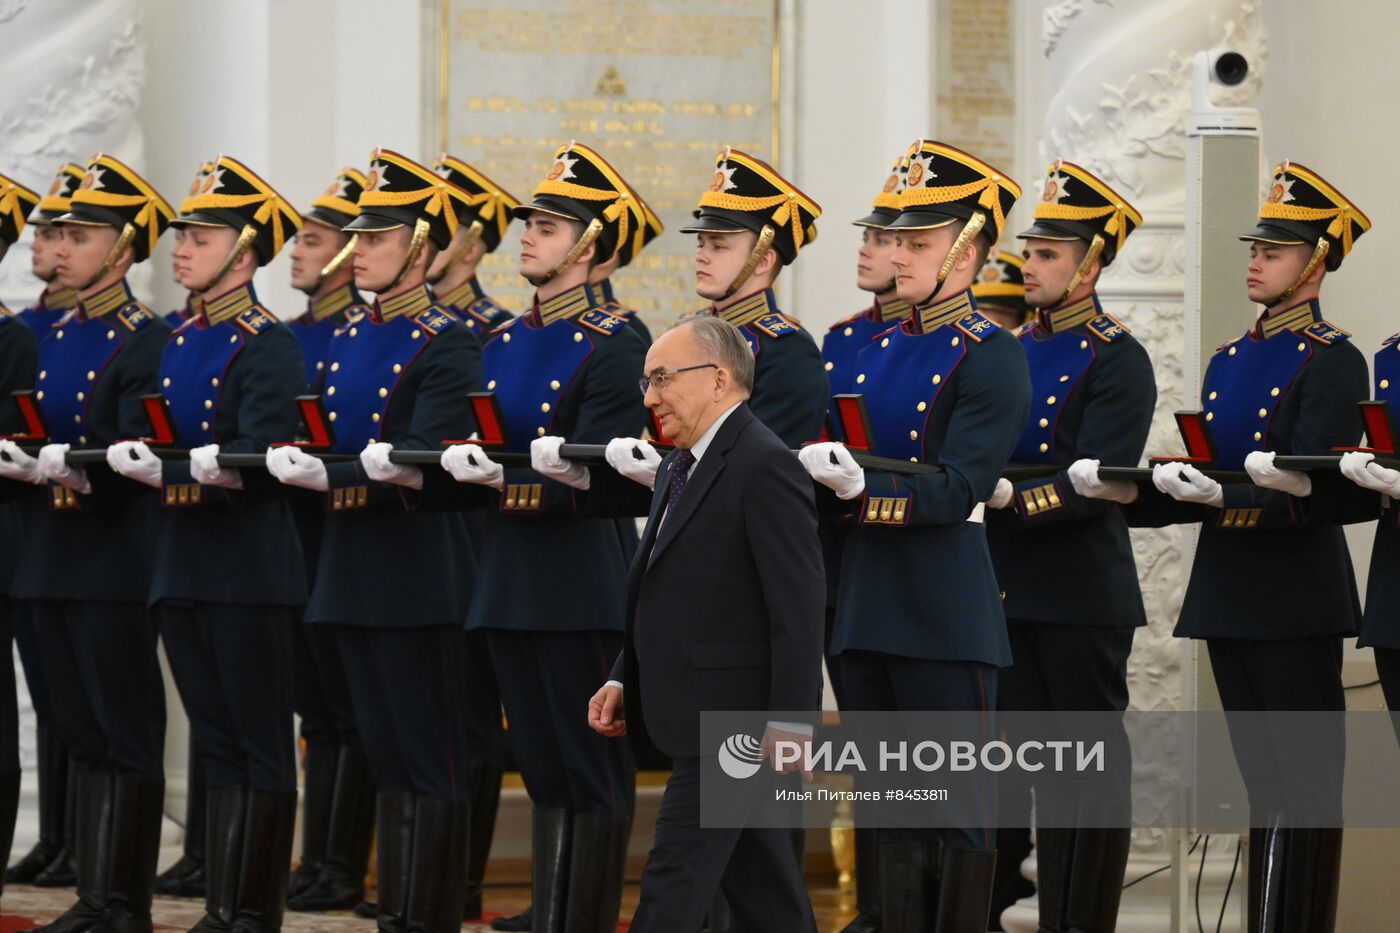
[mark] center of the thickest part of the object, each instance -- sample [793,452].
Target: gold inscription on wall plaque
[657,86]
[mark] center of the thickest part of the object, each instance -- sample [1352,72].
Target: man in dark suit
[724,612]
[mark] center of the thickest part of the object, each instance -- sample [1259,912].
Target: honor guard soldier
[321,269]
[1290,384]
[1001,292]
[875,274]
[18,358]
[483,224]
[398,378]
[749,225]
[1092,396]
[55,301]
[644,227]
[94,633]
[564,369]
[338,792]
[50,862]
[186,311]
[947,386]
[230,376]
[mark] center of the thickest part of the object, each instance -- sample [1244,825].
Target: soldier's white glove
[1084,477]
[1001,496]
[468,463]
[1357,467]
[843,477]
[375,459]
[544,457]
[622,457]
[296,467]
[1260,467]
[51,466]
[1185,483]
[17,465]
[134,460]
[205,469]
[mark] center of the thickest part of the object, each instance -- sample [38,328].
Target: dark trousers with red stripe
[408,687]
[1060,667]
[877,681]
[546,681]
[233,667]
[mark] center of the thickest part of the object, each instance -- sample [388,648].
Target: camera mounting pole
[1222,201]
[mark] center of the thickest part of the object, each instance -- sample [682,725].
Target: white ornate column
[1118,77]
[74,76]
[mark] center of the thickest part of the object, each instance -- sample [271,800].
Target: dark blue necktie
[680,473]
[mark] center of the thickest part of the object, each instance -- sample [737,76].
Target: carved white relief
[74,75]
[1123,85]
[1056,20]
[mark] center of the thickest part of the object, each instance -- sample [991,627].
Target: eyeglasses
[660,379]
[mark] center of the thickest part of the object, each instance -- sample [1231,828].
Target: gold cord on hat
[974,226]
[760,248]
[114,256]
[585,240]
[337,261]
[1319,254]
[246,236]
[1091,256]
[415,247]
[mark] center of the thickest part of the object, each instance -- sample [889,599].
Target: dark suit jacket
[725,603]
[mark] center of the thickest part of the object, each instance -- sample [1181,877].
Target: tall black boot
[267,856]
[96,802]
[394,813]
[1054,850]
[136,828]
[341,883]
[186,877]
[438,878]
[1312,875]
[1267,861]
[1096,879]
[62,870]
[319,772]
[485,803]
[965,890]
[52,755]
[9,810]
[906,888]
[598,858]
[867,919]
[227,811]
[549,869]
